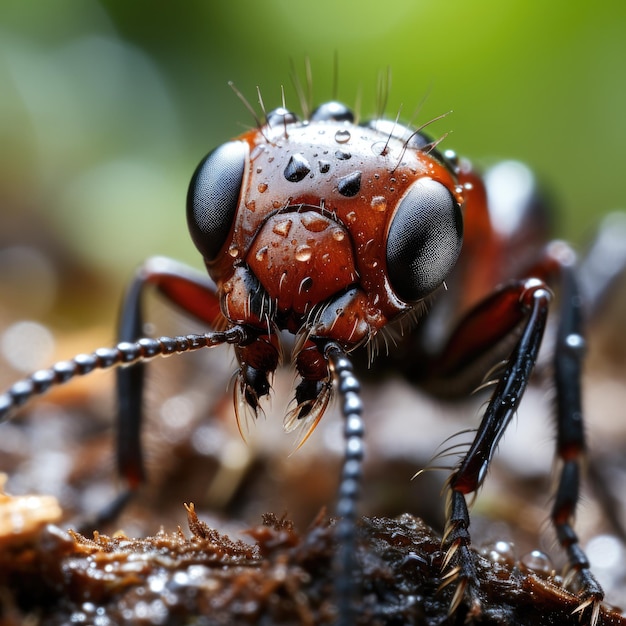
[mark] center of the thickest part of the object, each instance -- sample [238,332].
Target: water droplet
[280,117]
[537,562]
[261,254]
[575,342]
[257,151]
[451,156]
[379,148]
[259,170]
[349,185]
[351,217]
[339,234]
[342,136]
[251,205]
[324,166]
[303,252]
[378,203]
[314,223]
[297,168]
[233,251]
[262,187]
[499,552]
[282,228]
[341,155]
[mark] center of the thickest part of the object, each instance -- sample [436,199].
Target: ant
[339,233]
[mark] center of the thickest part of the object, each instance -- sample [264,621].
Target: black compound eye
[332,112]
[424,240]
[213,197]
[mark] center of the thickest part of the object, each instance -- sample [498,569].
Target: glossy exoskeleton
[336,233]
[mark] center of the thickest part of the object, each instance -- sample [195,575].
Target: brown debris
[283,578]
[22,517]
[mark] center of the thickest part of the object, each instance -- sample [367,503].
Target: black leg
[568,358]
[534,299]
[191,291]
[130,386]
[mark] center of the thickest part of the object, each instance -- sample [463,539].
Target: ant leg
[350,481]
[530,299]
[467,344]
[601,273]
[568,358]
[192,291]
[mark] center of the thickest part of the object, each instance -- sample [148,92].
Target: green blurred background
[107,106]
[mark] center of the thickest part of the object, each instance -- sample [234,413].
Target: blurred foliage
[107,106]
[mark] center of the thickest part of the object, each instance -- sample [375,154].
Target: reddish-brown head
[324,228]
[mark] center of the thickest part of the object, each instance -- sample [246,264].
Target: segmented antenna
[124,353]
[348,388]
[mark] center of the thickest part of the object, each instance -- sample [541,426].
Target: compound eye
[332,112]
[213,197]
[424,240]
